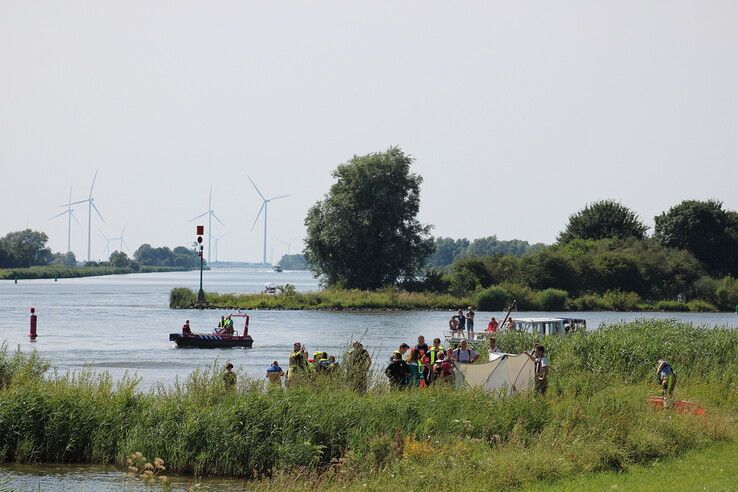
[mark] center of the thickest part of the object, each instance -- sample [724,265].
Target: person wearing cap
[275,374]
[229,377]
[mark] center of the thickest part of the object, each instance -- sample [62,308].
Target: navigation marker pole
[201,293]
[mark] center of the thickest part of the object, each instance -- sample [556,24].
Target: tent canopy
[512,372]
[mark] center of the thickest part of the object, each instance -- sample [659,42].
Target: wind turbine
[108,240]
[70,212]
[288,244]
[210,213]
[264,204]
[216,244]
[90,205]
[122,241]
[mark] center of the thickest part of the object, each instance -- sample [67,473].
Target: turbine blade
[258,215]
[60,214]
[74,217]
[75,203]
[216,218]
[96,210]
[201,215]
[254,185]
[93,183]
[278,197]
[124,230]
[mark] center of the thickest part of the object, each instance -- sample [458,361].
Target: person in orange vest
[33,333]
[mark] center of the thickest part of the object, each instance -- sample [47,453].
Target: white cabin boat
[538,326]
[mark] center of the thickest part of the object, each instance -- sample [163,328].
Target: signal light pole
[201,293]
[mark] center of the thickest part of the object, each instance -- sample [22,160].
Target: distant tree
[180,257]
[601,220]
[118,259]
[26,248]
[294,262]
[365,232]
[490,246]
[447,250]
[706,230]
[66,259]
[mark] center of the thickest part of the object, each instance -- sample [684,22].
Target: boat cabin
[549,326]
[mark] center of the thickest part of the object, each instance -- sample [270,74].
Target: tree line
[365,234]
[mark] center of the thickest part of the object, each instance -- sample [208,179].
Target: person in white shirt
[465,355]
[541,368]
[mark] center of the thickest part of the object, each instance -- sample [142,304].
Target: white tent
[510,371]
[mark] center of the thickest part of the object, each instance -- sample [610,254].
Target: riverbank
[594,418]
[393,300]
[60,271]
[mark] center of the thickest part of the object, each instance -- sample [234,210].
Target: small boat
[278,268]
[215,340]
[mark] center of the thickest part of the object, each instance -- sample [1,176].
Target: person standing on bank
[541,368]
[229,377]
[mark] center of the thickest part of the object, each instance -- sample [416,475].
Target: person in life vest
[33,334]
[229,377]
[186,331]
[275,374]
[402,350]
[667,379]
[298,363]
[221,325]
[435,355]
[416,368]
[358,362]
[228,327]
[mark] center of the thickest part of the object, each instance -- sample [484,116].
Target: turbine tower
[210,213]
[215,246]
[90,205]
[108,240]
[70,212]
[288,244]
[264,206]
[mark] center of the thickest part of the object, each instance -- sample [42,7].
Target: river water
[121,324]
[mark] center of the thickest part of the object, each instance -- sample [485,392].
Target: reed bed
[594,418]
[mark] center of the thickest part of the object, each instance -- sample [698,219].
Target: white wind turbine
[70,212]
[108,240]
[90,205]
[215,246]
[288,244]
[210,213]
[264,206]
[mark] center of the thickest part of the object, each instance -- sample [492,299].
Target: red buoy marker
[33,334]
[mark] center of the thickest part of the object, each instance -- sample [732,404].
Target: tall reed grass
[595,417]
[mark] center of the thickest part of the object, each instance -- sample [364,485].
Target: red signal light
[200,230]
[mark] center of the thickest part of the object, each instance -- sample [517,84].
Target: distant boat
[215,340]
[278,269]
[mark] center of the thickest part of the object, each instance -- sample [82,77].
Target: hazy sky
[518,113]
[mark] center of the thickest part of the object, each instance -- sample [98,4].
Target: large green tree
[705,229]
[25,248]
[601,220]
[365,232]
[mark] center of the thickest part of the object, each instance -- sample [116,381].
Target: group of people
[225,326]
[461,321]
[493,325]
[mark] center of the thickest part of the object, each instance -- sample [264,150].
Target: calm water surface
[121,324]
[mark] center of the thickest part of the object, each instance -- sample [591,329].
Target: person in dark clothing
[229,377]
[398,372]
[461,317]
[667,380]
[421,346]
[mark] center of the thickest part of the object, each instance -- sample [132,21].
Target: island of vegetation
[321,433]
[24,255]
[365,243]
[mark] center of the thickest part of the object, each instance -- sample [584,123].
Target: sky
[518,113]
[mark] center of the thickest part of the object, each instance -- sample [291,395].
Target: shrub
[553,299]
[727,293]
[493,298]
[527,299]
[700,306]
[181,297]
[671,306]
[622,301]
[589,302]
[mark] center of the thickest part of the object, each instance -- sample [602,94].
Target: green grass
[59,271]
[390,299]
[322,434]
[713,468]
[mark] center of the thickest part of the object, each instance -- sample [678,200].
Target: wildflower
[132,469]
[148,466]
[129,461]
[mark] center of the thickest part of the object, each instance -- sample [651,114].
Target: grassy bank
[53,271]
[388,299]
[594,418]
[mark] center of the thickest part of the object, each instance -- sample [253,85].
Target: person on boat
[667,380]
[221,325]
[275,374]
[228,328]
[397,372]
[465,355]
[461,318]
[298,363]
[415,367]
[229,377]
[540,370]
[186,331]
[510,325]
[402,350]
[358,363]
[453,325]
[492,325]
[470,323]
[421,346]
